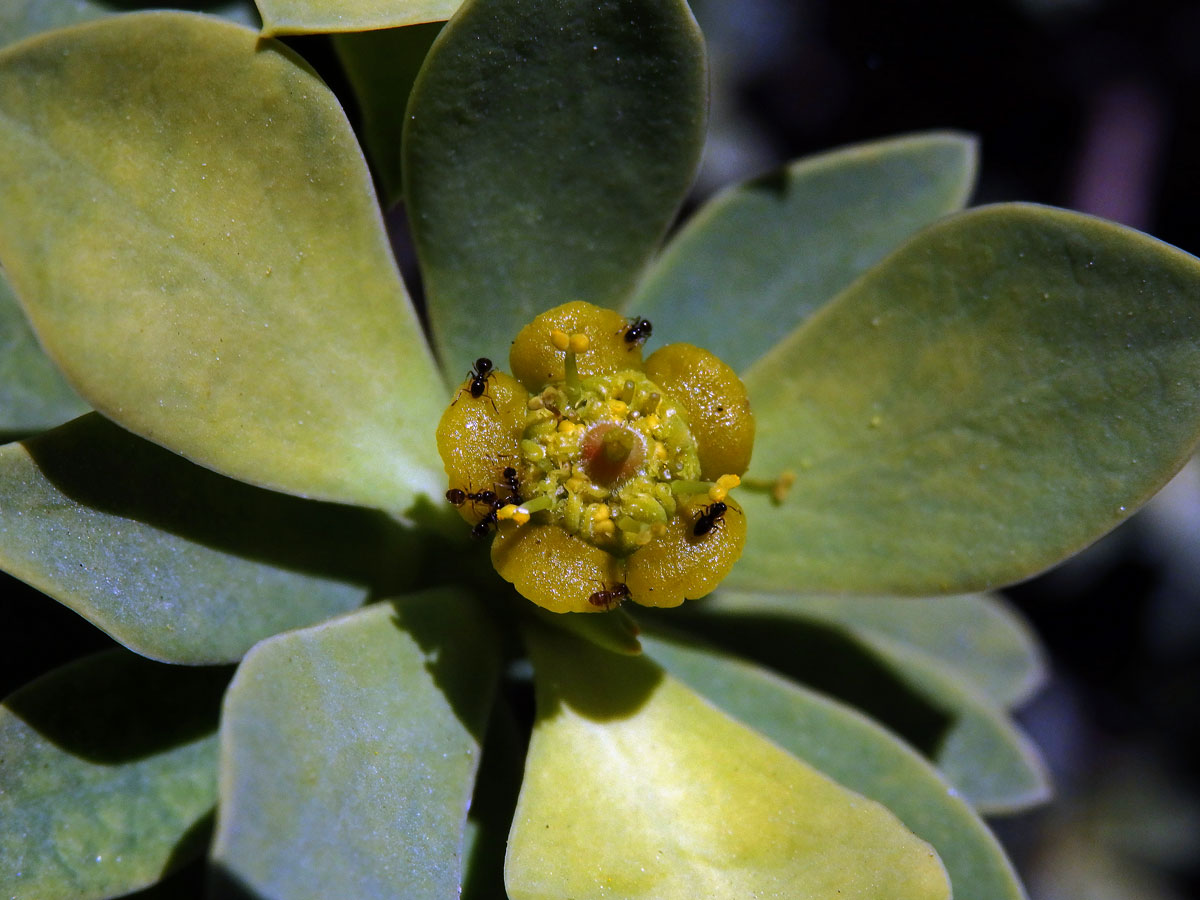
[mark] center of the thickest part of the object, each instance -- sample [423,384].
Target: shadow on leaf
[827,660]
[116,707]
[101,466]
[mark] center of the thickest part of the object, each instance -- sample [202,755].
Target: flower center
[601,455]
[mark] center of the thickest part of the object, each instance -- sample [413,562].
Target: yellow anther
[601,512]
[604,528]
[660,450]
[652,421]
[535,403]
[578,343]
[566,426]
[618,408]
[575,484]
[783,485]
[518,514]
[559,339]
[724,485]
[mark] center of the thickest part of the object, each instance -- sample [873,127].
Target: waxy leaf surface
[635,787]
[108,777]
[974,636]
[348,753]
[172,560]
[382,66]
[849,747]
[22,18]
[33,394]
[934,704]
[189,223]
[549,144]
[324,16]
[996,394]
[761,257]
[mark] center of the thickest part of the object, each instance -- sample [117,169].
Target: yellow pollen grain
[559,339]
[716,492]
[729,482]
[578,343]
[518,514]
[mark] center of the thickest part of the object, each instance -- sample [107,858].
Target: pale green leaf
[348,752]
[858,753]
[325,16]
[174,561]
[381,67]
[761,257]
[33,395]
[22,18]
[637,788]
[915,692]
[190,225]
[549,144]
[976,637]
[108,777]
[996,394]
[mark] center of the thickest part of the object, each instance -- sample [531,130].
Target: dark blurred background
[1080,103]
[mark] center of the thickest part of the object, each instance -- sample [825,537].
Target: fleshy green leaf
[635,787]
[931,703]
[33,395]
[859,754]
[549,143]
[985,754]
[993,396]
[188,221]
[973,636]
[108,777]
[348,752]
[761,257]
[174,561]
[22,18]
[382,66]
[325,16]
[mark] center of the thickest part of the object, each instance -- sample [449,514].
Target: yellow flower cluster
[605,478]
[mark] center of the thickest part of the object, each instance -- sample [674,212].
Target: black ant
[457,497]
[485,524]
[709,517]
[514,486]
[479,375]
[638,331]
[610,598]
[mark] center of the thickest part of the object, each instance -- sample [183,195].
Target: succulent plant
[236,440]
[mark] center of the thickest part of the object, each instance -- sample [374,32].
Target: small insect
[638,331]
[609,598]
[514,487]
[709,517]
[479,375]
[485,524]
